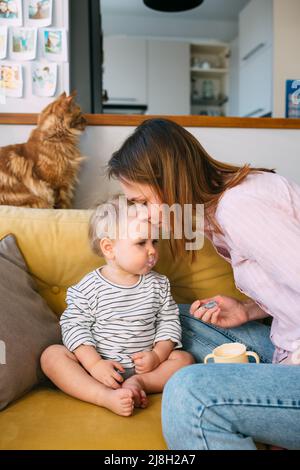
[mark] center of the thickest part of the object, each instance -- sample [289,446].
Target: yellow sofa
[56,249]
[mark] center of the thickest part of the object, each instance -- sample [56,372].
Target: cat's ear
[70,98]
[63,95]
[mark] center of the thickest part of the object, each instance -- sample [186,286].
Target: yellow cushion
[48,419]
[54,245]
[56,249]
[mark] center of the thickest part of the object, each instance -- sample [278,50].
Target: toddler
[121,328]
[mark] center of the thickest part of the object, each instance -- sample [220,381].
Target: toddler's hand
[145,361]
[105,372]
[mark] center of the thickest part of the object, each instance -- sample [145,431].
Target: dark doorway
[86,53]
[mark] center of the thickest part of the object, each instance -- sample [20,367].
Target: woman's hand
[105,372]
[229,312]
[145,361]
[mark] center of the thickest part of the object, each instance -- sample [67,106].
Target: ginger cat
[42,172]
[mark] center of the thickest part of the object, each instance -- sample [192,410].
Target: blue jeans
[230,406]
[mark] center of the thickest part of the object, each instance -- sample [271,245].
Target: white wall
[271,148]
[286,16]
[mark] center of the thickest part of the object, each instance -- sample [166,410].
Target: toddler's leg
[154,381]
[63,369]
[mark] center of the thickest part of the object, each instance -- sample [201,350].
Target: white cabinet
[168,77]
[256,84]
[255,28]
[152,72]
[256,59]
[125,70]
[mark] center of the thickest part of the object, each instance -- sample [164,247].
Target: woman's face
[144,194]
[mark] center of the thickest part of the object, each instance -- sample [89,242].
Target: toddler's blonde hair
[103,222]
[108,220]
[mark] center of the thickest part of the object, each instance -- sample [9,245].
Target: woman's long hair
[168,158]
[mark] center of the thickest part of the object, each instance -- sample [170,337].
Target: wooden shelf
[209,72]
[210,48]
[210,102]
[186,121]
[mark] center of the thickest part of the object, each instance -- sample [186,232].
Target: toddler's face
[138,253]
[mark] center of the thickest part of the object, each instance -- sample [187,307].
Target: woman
[252,217]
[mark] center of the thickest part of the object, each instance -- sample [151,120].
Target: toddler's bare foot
[136,385]
[120,401]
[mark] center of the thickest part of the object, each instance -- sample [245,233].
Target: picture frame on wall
[44,78]
[23,43]
[292,100]
[11,12]
[3,42]
[38,13]
[55,48]
[11,79]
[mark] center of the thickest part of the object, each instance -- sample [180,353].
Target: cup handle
[253,354]
[208,357]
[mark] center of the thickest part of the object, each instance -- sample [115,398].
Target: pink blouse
[260,219]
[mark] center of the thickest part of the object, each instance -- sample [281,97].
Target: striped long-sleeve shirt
[119,320]
[260,220]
